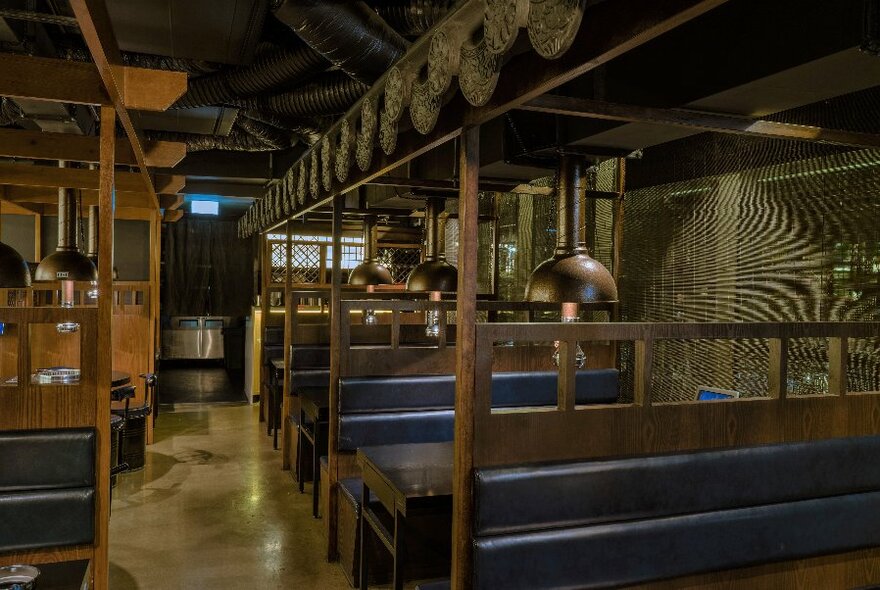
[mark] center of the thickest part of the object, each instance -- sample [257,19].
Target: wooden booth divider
[505,437]
[133,326]
[397,349]
[29,340]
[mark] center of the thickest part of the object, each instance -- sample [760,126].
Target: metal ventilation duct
[370,271]
[67,263]
[571,276]
[349,34]
[434,274]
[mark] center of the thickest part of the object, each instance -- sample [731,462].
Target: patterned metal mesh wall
[400,261]
[485,240]
[790,241]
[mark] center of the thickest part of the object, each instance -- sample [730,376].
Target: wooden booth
[55,425]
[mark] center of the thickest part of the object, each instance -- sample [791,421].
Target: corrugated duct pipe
[351,35]
[330,94]
[240,138]
[287,65]
[412,18]
[195,67]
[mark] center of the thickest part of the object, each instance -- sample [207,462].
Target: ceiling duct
[370,271]
[434,274]
[67,262]
[571,276]
[332,93]
[412,18]
[285,66]
[351,35]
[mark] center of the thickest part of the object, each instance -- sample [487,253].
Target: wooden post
[778,378]
[265,310]
[644,369]
[38,237]
[617,252]
[335,365]
[153,294]
[465,365]
[106,206]
[288,340]
[838,355]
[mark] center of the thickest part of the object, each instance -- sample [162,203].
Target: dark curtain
[208,269]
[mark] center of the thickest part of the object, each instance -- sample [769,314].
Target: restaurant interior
[455,294]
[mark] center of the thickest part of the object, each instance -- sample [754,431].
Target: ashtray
[18,577]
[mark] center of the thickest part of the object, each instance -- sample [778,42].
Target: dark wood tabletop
[404,475]
[66,575]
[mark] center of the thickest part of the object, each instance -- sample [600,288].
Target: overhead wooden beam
[61,80]
[50,176]
[699,120]
[170,202]
[172,216]
[448,186]
[96,29]
[43,145]
[27,196]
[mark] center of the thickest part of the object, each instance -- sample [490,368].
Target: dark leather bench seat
[597,524]
[47,489]
[375,411]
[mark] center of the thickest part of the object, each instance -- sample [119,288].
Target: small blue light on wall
[205,208]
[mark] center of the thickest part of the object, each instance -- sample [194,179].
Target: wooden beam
[172,216]
[97,31]
[52,177]
[61,80]
[43,145]
[465,366]
[702,121]
[170,202]
[106,206]
[152,90]
[46,198]
[449,186]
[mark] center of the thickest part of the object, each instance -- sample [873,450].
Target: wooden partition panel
[29,406]
[570,433]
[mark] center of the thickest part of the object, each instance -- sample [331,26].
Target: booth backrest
[595,524]
[273,336]
[437,392]
[419,408]
[47,489]
[309,368]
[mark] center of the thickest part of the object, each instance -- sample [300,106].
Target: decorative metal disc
[478,73]
[553,25]
[343,151]
[327,163]
[395,93]
[442,62]
[367,135]
[387,134]
[315,175]
[301,182]
[502,22]
[424,108]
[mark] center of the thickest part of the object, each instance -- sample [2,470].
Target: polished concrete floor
[194,382]
[212,509]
